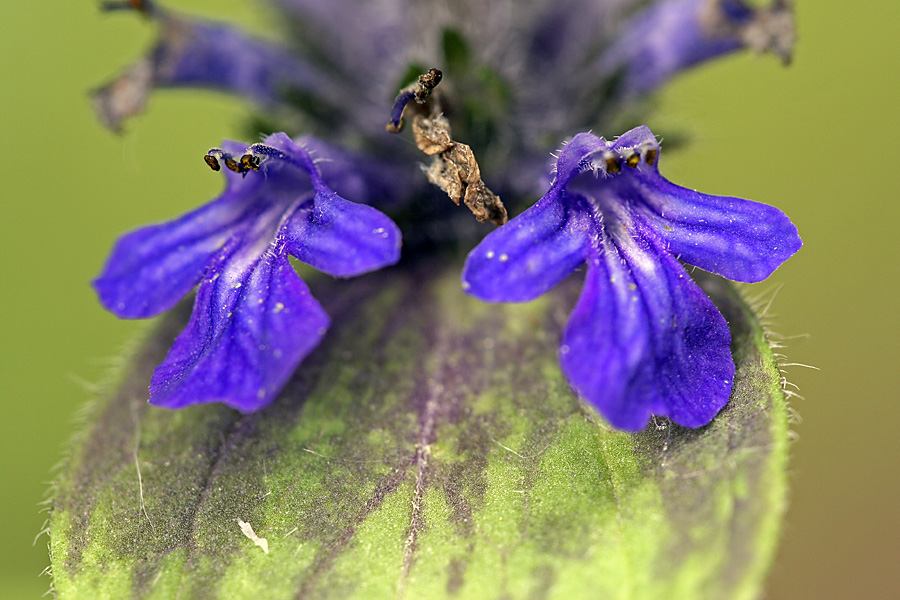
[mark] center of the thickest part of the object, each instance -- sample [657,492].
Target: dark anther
[250,162]
[651,156]
[633,160]
[233,165]
[212,162]
[612,163]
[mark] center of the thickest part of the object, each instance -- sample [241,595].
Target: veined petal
[738,239]
[532,253]
[645,340]
[191,53]
[152,268]
[328,232]
[254,319]
[251,326]
[342,238]
[673,35]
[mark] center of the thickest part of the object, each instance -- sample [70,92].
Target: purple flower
[254,319]
[202,54]
[643,339]
[522,77]
[517,77]
[673,35]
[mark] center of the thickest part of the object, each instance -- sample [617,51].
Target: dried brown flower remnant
[454,169]
[426,83]
[453,166]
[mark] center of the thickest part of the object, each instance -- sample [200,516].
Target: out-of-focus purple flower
[673,35]
[254,319]
[520,75]
[200,54]
[643,339]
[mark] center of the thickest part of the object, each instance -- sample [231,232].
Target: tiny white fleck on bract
[247,530]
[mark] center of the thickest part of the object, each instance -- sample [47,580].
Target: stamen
[453,166]
[612,162]
[248,162]
[396,122]
[633,160]
[259,153]
[651,155]
[213,162]
[233,165]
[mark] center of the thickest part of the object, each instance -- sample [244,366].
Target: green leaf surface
[430,448]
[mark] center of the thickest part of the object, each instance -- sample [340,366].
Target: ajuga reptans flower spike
[508,82]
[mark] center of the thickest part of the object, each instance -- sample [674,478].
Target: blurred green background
[818,140]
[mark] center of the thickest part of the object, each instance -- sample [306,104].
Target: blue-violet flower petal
[249,329]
